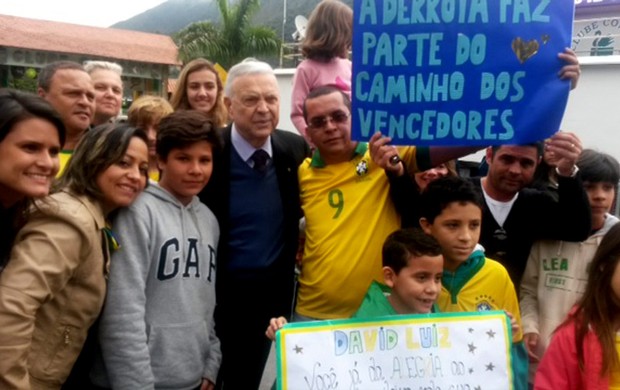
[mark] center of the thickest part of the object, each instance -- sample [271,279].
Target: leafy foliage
[23,79]
[229,41]
[24,84]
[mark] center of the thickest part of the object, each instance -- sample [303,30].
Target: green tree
[24,79]
[230,41]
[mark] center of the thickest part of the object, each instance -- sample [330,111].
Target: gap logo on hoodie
[171,261]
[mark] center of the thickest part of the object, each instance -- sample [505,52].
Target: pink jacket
[559,368]
[311,74]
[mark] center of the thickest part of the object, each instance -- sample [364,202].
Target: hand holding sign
[572,70]
[385,155]
[566,148]
[462,350]
[275,324]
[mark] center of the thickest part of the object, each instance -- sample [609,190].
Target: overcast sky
[99,13]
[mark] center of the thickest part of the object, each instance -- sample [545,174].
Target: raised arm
[568,219]
[403,190]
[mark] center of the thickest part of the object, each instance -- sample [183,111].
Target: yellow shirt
[154,176]
[614,378]
[349,214]
[490,288]
[64,157]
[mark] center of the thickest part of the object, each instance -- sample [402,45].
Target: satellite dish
[300,24]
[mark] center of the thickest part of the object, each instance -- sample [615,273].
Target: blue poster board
[459,72]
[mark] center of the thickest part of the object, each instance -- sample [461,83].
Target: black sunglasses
[320,122]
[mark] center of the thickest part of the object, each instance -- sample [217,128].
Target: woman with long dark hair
[53,287]
[31,136]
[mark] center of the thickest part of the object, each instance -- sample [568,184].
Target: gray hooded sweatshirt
[157,329]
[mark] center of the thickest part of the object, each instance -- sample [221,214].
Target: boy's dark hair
[405,243]
[183,128]
[443,191]
[597,167]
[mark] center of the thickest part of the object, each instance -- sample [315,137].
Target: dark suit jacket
[289,150]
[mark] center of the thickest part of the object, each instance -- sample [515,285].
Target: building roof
[69,38]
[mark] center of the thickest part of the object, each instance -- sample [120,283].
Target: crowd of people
[164,251]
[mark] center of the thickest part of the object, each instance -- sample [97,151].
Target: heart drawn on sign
[524,50]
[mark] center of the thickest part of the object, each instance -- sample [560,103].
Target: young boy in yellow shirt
[451,211]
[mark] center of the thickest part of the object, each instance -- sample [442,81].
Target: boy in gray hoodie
[557,271]
[157,327]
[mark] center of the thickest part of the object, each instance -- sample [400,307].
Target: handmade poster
[427,351]
[459,72]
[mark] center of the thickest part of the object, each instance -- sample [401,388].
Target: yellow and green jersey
[479,284]
[64,157]
[348,214]
[482,284]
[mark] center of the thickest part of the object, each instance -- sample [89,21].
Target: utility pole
[282,38]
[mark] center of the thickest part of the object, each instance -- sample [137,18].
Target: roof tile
[96,41]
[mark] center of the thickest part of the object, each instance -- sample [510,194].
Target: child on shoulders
[329,37]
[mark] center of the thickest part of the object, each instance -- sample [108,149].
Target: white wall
[285,81]
[593,110]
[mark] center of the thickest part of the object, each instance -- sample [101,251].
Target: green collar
[317,161]
[454,281]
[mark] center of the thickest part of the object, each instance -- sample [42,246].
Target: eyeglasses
[320,122]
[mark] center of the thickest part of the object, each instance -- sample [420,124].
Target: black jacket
[535,215]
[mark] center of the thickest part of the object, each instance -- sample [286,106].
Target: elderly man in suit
[254,194]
